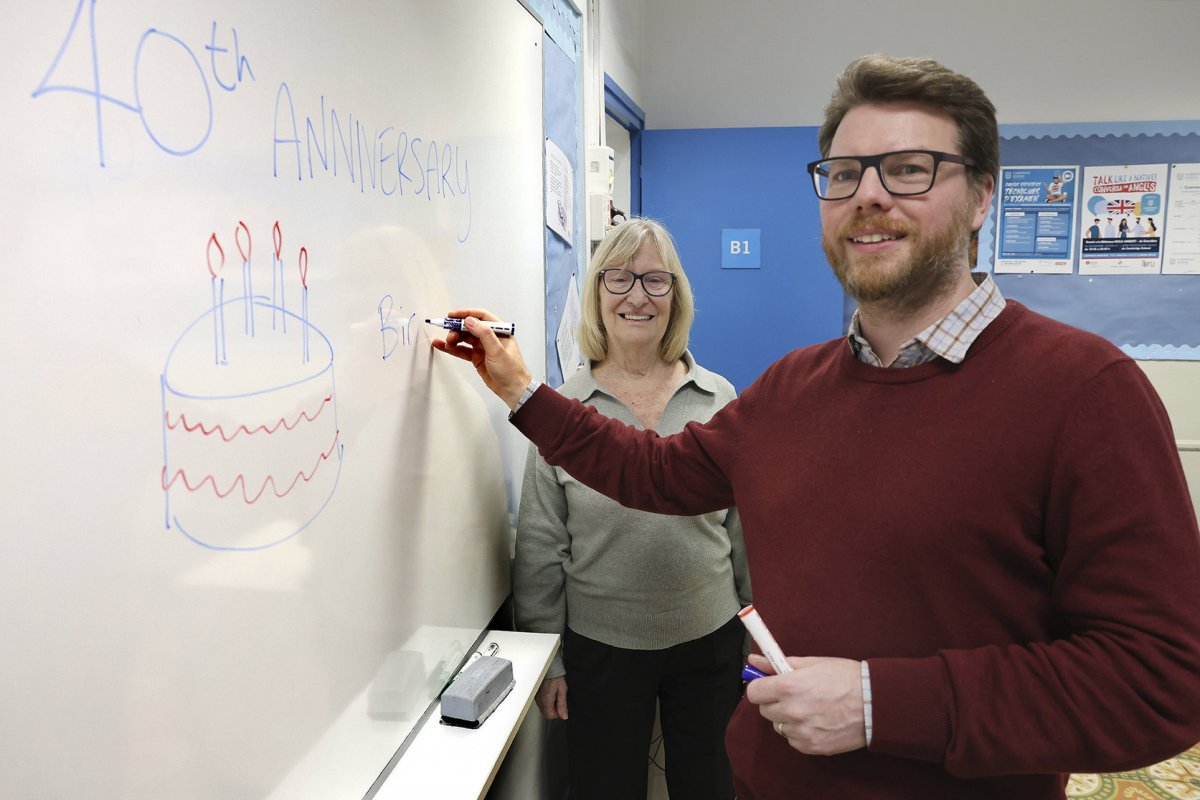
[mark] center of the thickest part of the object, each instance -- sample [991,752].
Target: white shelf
[453,763]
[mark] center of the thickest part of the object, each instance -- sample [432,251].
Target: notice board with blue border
[1150,316]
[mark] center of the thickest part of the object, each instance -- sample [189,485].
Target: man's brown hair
[880,78]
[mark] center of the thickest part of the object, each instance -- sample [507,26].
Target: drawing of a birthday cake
[251,447]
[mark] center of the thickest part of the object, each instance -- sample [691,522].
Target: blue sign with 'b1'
[740,248]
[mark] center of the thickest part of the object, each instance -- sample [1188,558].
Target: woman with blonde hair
[646,603]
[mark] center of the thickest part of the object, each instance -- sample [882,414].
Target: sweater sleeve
[678,474]
[737,555]
[1117,685]
[733,520]
[543,545]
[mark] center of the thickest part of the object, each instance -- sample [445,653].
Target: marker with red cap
[766,642]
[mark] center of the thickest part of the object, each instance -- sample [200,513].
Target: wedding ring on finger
[779,729]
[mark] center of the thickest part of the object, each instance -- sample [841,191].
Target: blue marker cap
[749,673]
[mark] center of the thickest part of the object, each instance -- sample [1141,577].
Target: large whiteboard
[250,524]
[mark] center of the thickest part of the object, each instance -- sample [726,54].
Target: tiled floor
[1175,779]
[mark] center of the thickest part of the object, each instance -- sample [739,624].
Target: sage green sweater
[627,578]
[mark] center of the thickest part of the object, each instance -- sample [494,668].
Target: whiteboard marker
[492,649]
[766,642]
[456,324]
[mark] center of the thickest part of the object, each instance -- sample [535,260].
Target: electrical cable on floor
[655,747]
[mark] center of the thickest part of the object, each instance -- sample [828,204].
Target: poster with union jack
[1121,219]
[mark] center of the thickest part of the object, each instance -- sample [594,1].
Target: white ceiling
[750,63]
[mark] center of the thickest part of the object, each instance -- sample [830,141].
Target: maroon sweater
[1009,542]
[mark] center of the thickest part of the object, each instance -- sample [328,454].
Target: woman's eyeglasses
[621,281]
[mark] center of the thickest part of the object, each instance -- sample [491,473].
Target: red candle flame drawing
[212,242]
[237,234]
[304,267]
[278,237]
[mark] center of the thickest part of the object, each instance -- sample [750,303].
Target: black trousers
[611,694]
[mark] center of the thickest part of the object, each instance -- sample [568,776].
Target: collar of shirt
[950,337]
[704,380]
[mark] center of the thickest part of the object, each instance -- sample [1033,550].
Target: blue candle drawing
[277,299]
[247,275]
[218,298]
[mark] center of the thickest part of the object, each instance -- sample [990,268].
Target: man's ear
[983,198]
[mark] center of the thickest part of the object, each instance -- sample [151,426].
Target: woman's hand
[551,698]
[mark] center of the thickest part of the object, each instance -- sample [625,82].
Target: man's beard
[931,270]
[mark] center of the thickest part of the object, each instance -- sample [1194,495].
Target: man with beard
[966,523]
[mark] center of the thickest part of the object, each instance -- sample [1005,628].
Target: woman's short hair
[880,78]
[616,251]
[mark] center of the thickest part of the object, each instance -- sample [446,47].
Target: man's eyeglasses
[903,172]
[620,281]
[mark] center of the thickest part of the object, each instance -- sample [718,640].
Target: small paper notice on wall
[1181,240]
[1125,205]
[1036,220]
[560,195]
[569,356]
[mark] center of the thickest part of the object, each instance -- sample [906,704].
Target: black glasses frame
[876,161]
[636,278]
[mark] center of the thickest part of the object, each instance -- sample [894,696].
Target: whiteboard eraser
[477,691]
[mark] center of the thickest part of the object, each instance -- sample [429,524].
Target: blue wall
[701,181]
[560,97]
[698,182]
